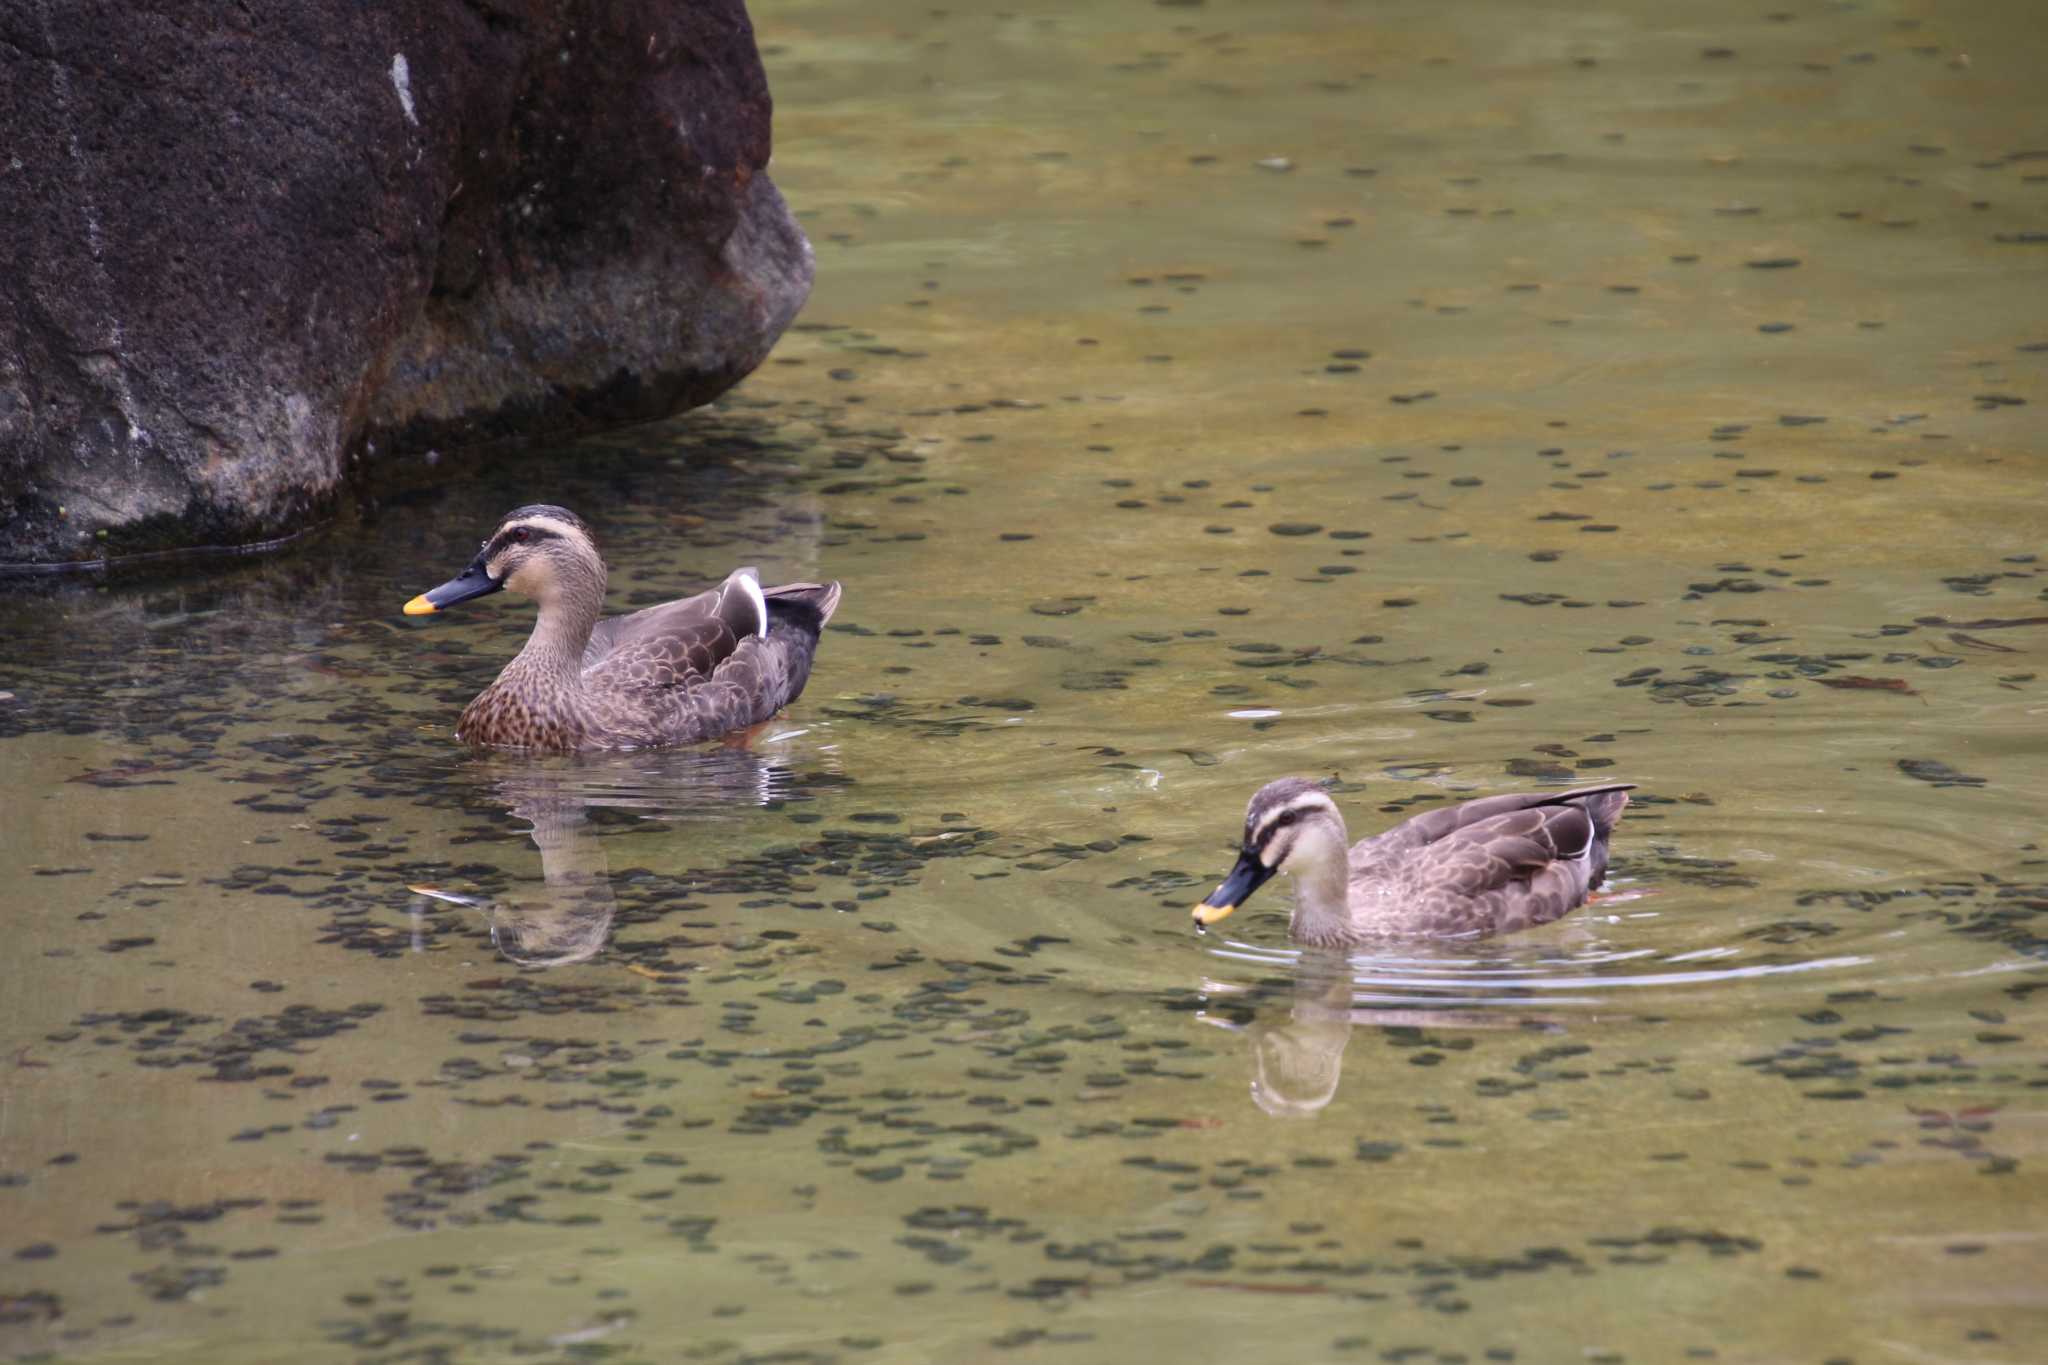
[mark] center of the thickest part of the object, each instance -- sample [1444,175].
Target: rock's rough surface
[243,246]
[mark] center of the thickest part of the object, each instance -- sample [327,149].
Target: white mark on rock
[401,81]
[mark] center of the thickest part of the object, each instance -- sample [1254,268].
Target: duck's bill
[473,581]
[1248,876]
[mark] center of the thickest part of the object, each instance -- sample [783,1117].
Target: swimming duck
[676,673]
[1490,866]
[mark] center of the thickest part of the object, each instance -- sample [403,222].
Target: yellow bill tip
[1207,914]
[419,606]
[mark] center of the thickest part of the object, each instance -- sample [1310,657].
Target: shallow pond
[1439,400]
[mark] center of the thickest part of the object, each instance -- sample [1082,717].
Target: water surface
[1437,400]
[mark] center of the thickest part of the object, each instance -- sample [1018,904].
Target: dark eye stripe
[1266,833]
[1285,819]
[518,535]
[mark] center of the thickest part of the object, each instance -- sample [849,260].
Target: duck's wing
[671,642]
[1508,868]
[711,664]
[1603,803]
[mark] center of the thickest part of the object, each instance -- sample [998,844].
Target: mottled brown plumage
[1490,866]
[676,673]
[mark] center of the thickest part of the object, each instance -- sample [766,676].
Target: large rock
[243,247]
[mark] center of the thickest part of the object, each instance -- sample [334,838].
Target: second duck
[676,673]
[1489,866]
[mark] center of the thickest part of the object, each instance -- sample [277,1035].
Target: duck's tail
[1603,806]
[797,612]
[798,603]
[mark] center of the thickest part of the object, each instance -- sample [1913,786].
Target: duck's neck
[554,652]
[1321,868]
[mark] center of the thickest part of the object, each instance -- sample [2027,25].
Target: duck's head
[1290,824]
[535,551]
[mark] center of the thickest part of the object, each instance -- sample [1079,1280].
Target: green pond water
[1437,399]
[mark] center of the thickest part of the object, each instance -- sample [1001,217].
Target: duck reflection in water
[567,917]
[1297,1057]
[1297,1062]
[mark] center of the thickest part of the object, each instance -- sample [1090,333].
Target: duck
[680,672]
[1490,866]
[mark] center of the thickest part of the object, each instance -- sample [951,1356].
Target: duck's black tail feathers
[797,612]
[802,606]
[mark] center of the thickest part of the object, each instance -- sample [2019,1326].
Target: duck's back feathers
[672,641]
[1431,826]
[723,660]
[1497,864]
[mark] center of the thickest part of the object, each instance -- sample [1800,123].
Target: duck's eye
[520,533]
